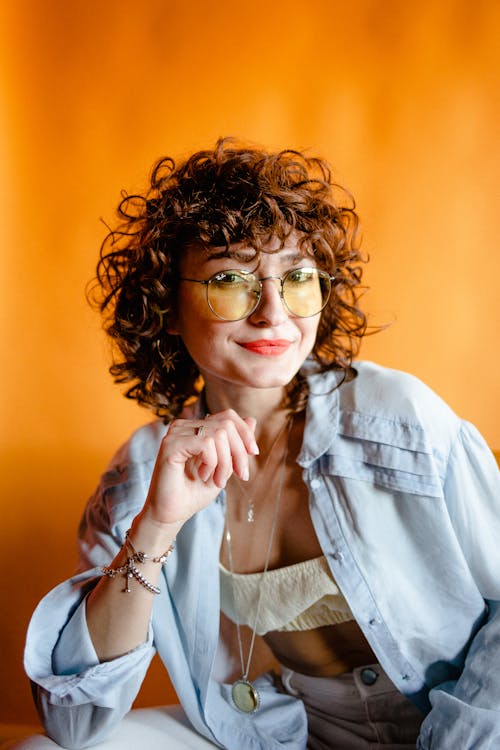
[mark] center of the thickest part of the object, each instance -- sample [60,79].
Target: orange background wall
[398,94]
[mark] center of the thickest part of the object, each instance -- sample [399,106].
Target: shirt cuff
[74,652]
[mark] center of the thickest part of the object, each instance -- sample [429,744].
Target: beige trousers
[361,710]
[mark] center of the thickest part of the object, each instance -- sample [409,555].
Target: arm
[78,699]
[466,712]
[89,644]
[188,475]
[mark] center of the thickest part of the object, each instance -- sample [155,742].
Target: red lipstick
[267,347]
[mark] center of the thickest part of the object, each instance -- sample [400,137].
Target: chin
[272,381]
[275,374]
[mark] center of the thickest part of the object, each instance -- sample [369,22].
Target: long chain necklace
[245,695]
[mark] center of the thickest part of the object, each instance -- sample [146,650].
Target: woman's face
[264,350]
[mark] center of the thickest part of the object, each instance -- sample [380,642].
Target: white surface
[144,728]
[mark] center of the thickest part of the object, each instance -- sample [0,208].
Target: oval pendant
[245,696]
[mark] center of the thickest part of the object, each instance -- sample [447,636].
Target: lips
[267,347]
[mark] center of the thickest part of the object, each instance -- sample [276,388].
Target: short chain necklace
[250,497]
[244,694]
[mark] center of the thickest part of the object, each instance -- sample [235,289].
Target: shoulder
[397,396]
[390,429]
[392,424]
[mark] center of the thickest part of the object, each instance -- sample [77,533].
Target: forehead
[242,252]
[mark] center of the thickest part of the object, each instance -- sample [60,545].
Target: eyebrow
[291,256]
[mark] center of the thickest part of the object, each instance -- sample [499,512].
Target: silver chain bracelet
[129,569]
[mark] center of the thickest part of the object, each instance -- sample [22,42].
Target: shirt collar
[322,414]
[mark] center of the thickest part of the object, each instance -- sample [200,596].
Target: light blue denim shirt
[405,502]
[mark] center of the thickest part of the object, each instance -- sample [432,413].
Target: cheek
[189,308]
[305,297]
[232,306]
[196,324]
[309,334]
[192,305]
[310,330]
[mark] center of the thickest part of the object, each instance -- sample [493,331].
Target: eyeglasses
[235,294]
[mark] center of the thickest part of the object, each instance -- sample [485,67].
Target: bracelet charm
[130,570]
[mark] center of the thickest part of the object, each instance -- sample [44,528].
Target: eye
[228,278]
[301,275]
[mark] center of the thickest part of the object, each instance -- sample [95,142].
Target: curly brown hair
[231,194]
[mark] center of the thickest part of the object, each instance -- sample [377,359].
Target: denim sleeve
[74,652]
[79,699]
[465,713]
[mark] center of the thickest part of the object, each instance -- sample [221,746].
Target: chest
[270,520]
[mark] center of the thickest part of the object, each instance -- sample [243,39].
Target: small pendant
[128,576]
[250,513]
[245,696]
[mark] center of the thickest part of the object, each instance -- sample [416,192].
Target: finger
[205,462]
[205,472]
[224,467]
[240,432]
[186,427]
[245,428]
[189,453]
[252,423]
[239,453]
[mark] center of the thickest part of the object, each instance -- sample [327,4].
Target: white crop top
[303,596]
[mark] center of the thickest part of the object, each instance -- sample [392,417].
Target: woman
[311,545]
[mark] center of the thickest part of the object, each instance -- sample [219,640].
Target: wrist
[152,536]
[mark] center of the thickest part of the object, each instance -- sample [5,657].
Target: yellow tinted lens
[232,295]
[305,291]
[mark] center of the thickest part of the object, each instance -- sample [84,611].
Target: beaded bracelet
[142,557]
[130,570]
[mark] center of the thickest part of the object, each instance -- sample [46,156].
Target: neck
[265,405]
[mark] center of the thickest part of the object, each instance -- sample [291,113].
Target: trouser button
[368,676]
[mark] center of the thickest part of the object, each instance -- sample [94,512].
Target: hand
[195,461]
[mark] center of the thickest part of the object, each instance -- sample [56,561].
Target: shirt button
[368,676]
[315,484]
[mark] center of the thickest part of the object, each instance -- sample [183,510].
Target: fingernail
[255,449]
[245,474]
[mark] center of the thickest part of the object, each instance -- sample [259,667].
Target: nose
[271,310]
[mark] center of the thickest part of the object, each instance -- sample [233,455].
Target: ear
[171,322]
[172,328]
